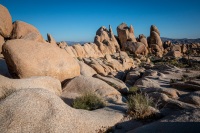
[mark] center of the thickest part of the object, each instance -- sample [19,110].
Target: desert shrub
[138,105]
[174,62]
[185,78]
[88,101]
[173,80]
[195,66]
[133,89]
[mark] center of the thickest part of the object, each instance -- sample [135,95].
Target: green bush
[138,105]
[89,101]
[133,89]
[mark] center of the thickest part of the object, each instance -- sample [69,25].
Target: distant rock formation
[106,41]
[155,42]
[125,34]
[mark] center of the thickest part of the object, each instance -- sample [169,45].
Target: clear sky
[78,20]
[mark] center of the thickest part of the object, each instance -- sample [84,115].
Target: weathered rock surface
[23,30]
[183,121]
[133,76]
[86,70]
[192,98]
[79,50]
[114,82]
[28,58]
[135,47]
[38,110]
[10,85]
[175,54]
[5,22]
[147,83]
[143,40]
[81,85]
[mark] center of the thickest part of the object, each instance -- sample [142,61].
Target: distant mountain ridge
[183,40]
[74,42]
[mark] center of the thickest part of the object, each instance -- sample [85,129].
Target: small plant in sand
[138,105]
[88,101]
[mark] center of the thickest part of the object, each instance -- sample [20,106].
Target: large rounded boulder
[8,85]
[27,58]
[23,30]
[5,22]
[83,84]
[40,111]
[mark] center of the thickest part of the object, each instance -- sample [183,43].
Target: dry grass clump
[138,105]
[88,101]
[133,89]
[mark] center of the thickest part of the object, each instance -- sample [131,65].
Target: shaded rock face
[29,58]
[155,39]
[114,82]
[143,40]
[1,43]
[81,85]
[175,54]
[182,121]
[135,47]
[5,22]
[22,30]
[125,34]
[10,85]
[4,69]
[38,110]
[106,41]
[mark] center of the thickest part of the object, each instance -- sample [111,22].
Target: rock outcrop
[106,41]
[38,110]
[27,58]
[86,70]
[81,85]
[50,39]
[155,42]
[125,34]
[182,121]
[11,85]
[5,22]
[114,82]
[135,47]
[23,30]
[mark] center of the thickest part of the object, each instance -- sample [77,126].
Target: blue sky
[78,20]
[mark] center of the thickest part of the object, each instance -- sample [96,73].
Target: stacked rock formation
[155,42]
[128,41]
[106,41]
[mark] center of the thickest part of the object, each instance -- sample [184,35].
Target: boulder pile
[40,80]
